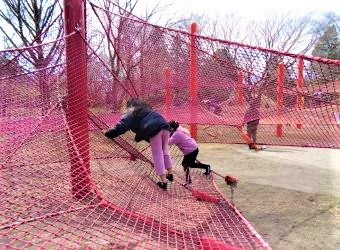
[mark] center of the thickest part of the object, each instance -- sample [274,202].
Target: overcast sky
[252,9]
[255,8]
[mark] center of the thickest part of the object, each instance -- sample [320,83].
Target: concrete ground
[291,195]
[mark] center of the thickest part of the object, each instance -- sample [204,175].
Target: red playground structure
[64,185]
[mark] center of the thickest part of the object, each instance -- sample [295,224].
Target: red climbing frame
[64,185]
[77,98]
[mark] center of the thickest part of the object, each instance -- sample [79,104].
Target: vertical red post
[167,91]
[299,83]
[193,81]
[77,99]
[240,78]
[279,98]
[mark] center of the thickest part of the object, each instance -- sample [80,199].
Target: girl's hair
[137,105]
[134,102]
[173,124]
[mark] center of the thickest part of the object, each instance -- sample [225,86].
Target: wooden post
[167,91]
[279,98]
[240,78]
[299,84]
[77,99]
[193,81]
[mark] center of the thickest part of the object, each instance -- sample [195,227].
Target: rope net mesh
[64,185]
[232,80]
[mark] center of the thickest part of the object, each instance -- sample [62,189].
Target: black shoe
[207,170]
[170,177]
[162,185]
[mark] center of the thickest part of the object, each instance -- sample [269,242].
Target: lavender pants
[160,152]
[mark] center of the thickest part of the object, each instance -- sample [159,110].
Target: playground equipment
[64,185]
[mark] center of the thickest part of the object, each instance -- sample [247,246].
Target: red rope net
[64,185]
[216,83]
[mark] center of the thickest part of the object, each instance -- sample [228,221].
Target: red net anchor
[232,182]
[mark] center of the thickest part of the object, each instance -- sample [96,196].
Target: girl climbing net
[180,137]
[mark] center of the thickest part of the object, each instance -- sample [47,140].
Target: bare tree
[30,23]
[328,19]
[8,68]
[229,27]
[125,43]
[184,23]
[284,32]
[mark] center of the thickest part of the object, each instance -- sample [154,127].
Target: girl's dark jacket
[144,122]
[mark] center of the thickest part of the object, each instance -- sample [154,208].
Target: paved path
[311,170]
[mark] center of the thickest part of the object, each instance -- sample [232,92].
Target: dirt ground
[290,195]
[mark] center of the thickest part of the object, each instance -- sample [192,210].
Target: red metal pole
[77,99]
[299,83]
[279,98]
[240,78]
[167,91]
[193,81]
